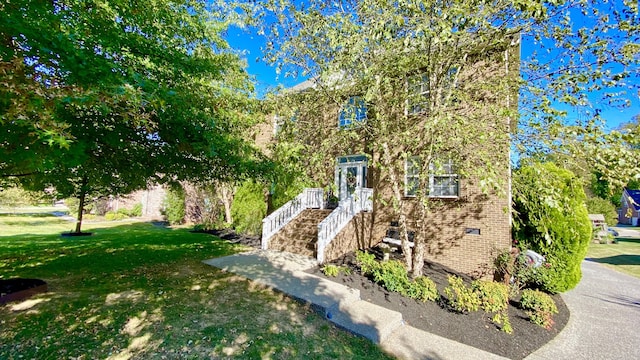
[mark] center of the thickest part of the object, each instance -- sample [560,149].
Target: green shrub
[539,306]
[174,208]
[249,208]
[334,270]
[17,196]
[393,275]
[124,212]
[367,262]
[493,296]
[111,216]
[551,219]
[136,210]
[460,297]
[596,205]
[424,289]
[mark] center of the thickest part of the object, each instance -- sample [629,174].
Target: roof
[596,217]
[635,195]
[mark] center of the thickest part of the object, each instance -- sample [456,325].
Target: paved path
[605,318]
[604,322]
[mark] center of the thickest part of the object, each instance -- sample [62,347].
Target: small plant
[334,270]
[539,306]
[393,275]
[112,216]
[424,289]
[367,262]
[460,297]
[502,318]
[493,296]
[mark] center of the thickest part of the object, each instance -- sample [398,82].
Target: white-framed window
[443,180]
[353,111]
[412,176]
[418,94]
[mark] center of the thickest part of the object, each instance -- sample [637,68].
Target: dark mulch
[19,289]
[474,329]
[233,237]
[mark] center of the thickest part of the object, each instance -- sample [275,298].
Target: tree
[373,50]
[115,95]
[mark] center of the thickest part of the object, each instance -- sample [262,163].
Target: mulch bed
[474,329]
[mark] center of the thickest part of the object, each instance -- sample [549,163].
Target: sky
[250,45]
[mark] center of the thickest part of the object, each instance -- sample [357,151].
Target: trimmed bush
[393,275]
[367,262]
[493,296]
[551,219]
[460,297]
[136,210]
[112,215]
[249,208]
[539,306]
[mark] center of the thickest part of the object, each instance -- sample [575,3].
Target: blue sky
[250,45]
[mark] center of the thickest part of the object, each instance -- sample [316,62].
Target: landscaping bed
[474,328]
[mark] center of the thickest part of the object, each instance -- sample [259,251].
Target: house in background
[467,226]
[629,212]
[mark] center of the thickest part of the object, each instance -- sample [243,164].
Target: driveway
[605,318]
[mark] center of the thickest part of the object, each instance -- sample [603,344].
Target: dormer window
[353,111]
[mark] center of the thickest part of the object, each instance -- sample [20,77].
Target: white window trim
[423,94]
[352,122]
[432,178]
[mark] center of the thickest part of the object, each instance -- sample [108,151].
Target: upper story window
[418,97]
[353,111]
[443,180]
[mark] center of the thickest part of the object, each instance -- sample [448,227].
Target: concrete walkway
[605,318]
[605,309]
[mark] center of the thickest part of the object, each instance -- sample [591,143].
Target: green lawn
[134,290]
[623,256]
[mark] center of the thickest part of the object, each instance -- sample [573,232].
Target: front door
[351,173]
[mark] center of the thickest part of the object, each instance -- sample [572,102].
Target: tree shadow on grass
[618,260]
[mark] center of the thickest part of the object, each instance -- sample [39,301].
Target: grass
[623,256]
[134,290]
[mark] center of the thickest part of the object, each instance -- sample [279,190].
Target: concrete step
[366,319]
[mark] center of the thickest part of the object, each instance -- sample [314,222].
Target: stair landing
[301,234]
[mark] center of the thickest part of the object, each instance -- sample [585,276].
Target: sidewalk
[342,305]
[605,311]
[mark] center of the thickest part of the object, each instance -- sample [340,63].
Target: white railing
[360,200]
[308,199]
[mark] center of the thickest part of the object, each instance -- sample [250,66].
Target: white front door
[351,173]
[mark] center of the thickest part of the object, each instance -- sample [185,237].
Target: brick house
[629,212]
[466,226]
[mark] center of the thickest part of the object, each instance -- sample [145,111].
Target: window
[412,176]
[443,181]
[418,99]
[353,111]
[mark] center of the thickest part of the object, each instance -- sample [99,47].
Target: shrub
[424,289]
[539,306]
[17,196]
[493,296]
[111,216]
[174,208]
[551,219]
[136,210]
[334,270]
[249,208]
[367,262]
[393,275]
[460,297]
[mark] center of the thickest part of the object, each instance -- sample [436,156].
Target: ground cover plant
[135,290]
[503,329]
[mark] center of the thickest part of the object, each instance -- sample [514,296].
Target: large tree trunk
[420,242]
[83,194]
